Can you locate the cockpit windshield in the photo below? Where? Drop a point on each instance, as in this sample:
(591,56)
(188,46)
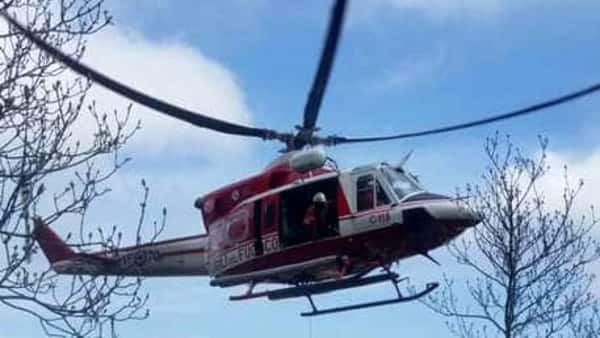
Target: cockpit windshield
(402,182)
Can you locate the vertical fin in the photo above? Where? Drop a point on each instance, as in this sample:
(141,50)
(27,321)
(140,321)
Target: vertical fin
(52,245)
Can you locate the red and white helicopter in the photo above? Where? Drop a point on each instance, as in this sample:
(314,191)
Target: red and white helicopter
(375,215)
(301,222)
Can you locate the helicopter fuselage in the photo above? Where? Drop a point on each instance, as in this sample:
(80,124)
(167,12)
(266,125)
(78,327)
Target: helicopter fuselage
(256,232)
(370,222)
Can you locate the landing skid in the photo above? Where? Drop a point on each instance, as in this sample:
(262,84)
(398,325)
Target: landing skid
(309,290)
(398,299)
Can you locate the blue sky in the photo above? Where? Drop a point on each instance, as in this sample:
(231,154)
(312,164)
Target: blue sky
(401,66)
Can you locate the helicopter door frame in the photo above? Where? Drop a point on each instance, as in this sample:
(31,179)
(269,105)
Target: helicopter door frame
(294,202)
(257,221)
(378,215)
(270,223)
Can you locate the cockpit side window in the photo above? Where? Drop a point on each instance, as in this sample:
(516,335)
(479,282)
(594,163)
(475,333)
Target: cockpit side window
(370,193)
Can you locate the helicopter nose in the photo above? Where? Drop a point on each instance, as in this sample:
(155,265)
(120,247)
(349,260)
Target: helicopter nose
(468,219)
(440,217)
(454,216)
(448,210)
(461,218)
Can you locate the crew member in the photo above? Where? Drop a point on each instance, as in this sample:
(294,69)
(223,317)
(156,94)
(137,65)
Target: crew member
(315,218)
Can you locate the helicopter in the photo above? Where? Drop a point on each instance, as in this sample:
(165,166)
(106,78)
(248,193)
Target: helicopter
(363,219)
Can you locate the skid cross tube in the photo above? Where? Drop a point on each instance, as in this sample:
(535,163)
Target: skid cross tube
(399,299)
(324,287)
(301,290)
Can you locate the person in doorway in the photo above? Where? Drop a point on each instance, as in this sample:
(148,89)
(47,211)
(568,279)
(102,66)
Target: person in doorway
(315,218)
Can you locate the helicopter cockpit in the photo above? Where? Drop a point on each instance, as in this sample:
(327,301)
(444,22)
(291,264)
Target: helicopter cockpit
(402,182)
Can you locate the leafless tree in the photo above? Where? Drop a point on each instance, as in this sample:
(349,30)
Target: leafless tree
(527,265)
(50,168)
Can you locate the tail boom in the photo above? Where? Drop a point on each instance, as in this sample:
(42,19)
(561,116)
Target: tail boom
(177,257)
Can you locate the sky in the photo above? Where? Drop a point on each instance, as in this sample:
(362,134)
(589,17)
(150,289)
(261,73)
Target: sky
(402,65)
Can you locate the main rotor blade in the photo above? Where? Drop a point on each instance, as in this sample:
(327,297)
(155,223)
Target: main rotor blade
(196,119)
(313,103)
(496,118)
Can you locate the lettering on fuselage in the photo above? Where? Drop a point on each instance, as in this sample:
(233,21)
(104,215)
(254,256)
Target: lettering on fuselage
(242,253)
(138,258)
(271,244)
(383,218)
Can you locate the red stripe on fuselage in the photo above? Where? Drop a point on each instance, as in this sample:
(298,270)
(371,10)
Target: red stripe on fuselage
(394,241)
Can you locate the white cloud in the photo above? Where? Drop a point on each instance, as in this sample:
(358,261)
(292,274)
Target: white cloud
(182,75)
(584,168)
(412,71)
(176,73)
(578,168)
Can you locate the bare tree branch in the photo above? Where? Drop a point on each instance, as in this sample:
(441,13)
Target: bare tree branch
(531,260)
(43,109)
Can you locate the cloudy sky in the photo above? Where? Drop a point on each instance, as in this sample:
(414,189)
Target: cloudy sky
(403,65)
